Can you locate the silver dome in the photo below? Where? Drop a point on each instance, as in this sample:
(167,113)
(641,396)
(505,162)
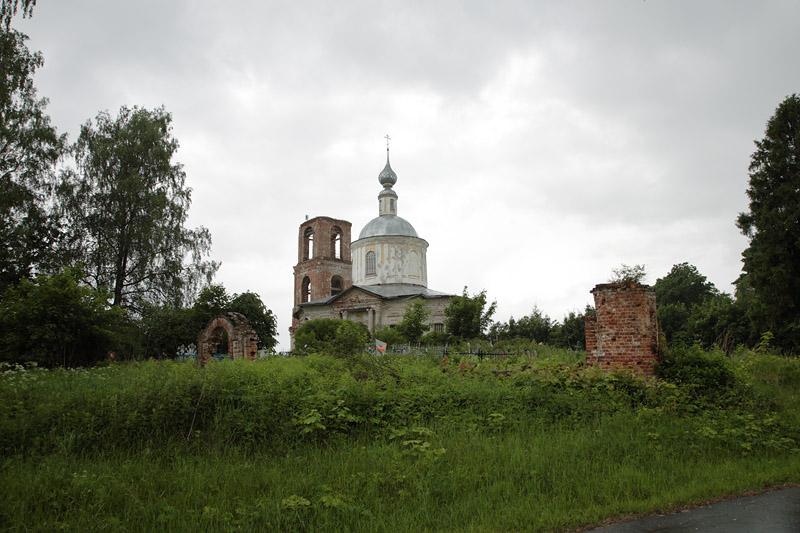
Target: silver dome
(388,225)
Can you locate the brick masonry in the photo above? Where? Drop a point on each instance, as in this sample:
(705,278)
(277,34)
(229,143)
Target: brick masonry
(624,331)
(242,339)
(321,262)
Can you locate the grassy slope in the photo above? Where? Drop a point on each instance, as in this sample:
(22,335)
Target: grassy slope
(454,450)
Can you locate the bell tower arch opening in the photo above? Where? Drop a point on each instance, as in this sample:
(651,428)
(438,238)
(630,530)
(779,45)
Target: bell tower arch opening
(336,242)
(308,244)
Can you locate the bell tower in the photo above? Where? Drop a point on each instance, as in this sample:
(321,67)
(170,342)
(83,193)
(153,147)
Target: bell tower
(324,266)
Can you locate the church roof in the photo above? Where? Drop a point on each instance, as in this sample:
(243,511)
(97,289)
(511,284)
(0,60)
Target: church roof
(388,292)
(388,225)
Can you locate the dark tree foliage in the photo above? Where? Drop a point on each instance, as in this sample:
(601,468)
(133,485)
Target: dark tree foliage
(164,329)
(128,203)
(315,335)
(167,328)
(29,149)
(211,301)
(539,327)
(691,310)
(390,336)
(56,321)
(685,285)
(467,317)
(261,319)
(536,326)
(571,332)
(772,261)
(9,8)
(214,300)
(331,336)
(721,321)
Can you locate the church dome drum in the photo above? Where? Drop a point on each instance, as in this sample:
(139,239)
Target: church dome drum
(388,250)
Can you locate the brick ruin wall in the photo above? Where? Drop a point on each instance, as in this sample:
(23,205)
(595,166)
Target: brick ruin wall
(242,339)
(624,331)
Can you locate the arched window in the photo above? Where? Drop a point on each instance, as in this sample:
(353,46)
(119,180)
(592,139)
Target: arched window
(336,242)
(305,290)
(336,285)
(308,244)
(370,263)
(391,205)
(413,264)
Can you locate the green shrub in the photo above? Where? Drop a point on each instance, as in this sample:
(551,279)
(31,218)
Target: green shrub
(351,338)
(390,336)
(708,373)
(436,338)
(56,321)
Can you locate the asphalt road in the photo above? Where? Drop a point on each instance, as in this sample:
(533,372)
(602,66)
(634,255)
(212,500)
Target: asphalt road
(774,512)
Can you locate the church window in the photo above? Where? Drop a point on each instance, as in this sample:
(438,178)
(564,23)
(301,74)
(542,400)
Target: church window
(305,290)
(308,244)
(391,205)
(336,242)
(413,264)
(439,327)
(370,259)
(336,285)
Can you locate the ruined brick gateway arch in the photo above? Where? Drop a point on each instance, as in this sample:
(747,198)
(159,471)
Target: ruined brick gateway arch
(242,338)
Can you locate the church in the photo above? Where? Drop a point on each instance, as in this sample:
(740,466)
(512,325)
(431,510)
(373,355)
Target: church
(369,280)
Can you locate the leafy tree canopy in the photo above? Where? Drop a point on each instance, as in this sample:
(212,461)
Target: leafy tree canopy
(390,336)
(261,319)
(29,149)
(467,316)
(127,203)
(683,284)
(9,8)
(56,321)
(166,328)
(332,336)
(414,323)
(772,260)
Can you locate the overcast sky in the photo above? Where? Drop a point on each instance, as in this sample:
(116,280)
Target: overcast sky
(538,145)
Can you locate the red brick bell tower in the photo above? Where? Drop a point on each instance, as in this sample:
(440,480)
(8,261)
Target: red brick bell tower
(324,267)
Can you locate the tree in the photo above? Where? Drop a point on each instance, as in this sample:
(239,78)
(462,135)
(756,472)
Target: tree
(56,321)
(467,316)
(683,284)
(211,301)
(571,333)
(8,8)
(771,263)
(677,294)
(351,338)
(331,336)
(128,204)
(261,319)
(29,149)
(628,274)
(414,323)
(390,336)
(316,335)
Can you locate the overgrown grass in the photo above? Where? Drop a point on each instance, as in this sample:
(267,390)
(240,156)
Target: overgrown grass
(324,444)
